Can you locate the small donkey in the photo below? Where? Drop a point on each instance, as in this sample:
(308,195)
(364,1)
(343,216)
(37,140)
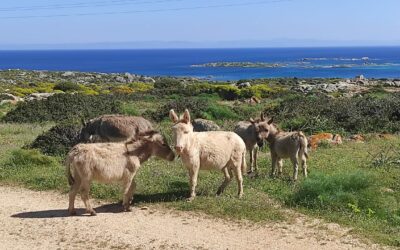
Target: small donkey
(283,145)
(218,150)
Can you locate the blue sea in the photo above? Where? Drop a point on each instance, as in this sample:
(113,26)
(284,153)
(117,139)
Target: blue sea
(372,62)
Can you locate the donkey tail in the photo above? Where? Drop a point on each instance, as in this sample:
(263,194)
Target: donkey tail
(244,164)
(68,165)
(303,144)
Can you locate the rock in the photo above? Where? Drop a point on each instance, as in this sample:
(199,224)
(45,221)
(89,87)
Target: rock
(38,96)
(68,74)
(357,138)
(7,96)
(200,125)
(252,100)
(243,85)
(120,79)
(147,79)
(129,77)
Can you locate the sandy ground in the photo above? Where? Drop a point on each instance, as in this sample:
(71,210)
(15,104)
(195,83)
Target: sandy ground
(38,220)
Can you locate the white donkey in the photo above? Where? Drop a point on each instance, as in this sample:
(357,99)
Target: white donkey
(218,150)
(283,145)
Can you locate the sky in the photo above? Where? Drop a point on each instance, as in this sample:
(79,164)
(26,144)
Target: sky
(197,23)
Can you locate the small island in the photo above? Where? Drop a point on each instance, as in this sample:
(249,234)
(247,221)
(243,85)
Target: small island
(239,65)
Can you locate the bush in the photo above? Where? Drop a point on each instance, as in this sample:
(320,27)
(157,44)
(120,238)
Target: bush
(58,140)
(353,115)
(62,107)
(67,87)
(196,107)
(122,89)
(167,83)
(140,86)
(228,92)
(220,112)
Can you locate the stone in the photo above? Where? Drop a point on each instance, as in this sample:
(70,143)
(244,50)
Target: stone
(68,74)
(201,125)
(38,96)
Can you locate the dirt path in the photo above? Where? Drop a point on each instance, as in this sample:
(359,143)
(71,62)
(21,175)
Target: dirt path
(37,220)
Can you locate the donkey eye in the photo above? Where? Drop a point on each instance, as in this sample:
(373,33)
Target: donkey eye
(186,132)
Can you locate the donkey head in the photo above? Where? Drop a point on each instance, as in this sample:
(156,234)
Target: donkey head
(262,128)
(182,130)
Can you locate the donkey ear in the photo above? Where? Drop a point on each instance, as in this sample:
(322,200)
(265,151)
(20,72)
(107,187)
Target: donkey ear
(271,121)
(252,120)
(262,116)
(173,116)
(186,116)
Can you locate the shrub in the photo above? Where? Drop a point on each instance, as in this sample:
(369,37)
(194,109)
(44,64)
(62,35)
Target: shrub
(354,115)
(140,86)
(196,107)
(18,91)
(67,86)
(167,83)
(58,140)
(122,89)
(62,107)
(228,92)
(220,112)
(259,90)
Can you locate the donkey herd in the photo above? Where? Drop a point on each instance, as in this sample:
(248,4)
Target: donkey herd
(116,146)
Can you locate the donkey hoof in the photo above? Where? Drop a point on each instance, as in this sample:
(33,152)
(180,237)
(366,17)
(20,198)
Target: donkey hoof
(72,212)
(190,199)
(240,196)
(92,213)
(128,209)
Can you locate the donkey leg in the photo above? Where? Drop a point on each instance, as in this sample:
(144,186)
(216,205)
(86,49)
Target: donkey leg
(295,167)
(85,188)
(280,166)
(251,160)
(193,174)
(72,195)
(273,164)
(226,181)
(304,165)
(255,159)
(129,190)
(239,178)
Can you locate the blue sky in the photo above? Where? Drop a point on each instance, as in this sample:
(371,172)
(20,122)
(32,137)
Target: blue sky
(243,23)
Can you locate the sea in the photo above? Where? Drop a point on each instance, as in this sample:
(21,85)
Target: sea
(216,64)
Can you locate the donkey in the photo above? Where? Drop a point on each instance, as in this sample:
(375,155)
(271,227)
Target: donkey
(113,128)
(219,150)
(247,131)
(283,145)
(111,162)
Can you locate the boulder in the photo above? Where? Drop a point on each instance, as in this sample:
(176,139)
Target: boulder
(243,85)
(129,77)
(200,125)
(147,79)
(120,79)
(7,96)
(38,96)
(68,74)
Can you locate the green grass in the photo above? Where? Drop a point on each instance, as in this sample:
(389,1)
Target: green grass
(343,186)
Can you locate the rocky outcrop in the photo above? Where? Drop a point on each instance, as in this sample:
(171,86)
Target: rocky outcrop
(9,98)
(38,96)
(201,125)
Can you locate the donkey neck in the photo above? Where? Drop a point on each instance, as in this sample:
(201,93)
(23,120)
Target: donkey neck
(141,150)
(272,135)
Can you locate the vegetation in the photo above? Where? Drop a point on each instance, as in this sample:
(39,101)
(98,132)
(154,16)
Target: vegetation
(62,107)
(354,184)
